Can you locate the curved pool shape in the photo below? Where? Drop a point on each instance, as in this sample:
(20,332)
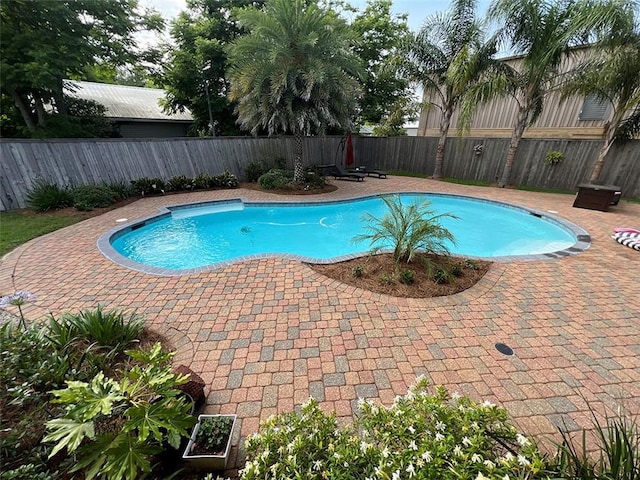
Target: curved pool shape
(199,236)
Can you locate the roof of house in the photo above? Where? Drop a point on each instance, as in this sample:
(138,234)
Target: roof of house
(125,102)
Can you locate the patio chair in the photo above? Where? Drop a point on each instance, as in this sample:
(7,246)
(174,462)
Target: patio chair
(369,173)
(337,172)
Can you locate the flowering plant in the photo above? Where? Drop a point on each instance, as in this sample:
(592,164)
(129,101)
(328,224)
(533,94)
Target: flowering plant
(18,299)
(421,435)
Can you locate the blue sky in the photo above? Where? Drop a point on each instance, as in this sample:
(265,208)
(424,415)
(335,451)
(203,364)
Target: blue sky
(418,10)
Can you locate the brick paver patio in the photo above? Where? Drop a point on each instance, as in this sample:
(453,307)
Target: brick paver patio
(267,334)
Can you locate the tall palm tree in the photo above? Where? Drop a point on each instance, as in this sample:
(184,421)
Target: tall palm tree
(614,76)
(544,32)
(445,58)
(293,72)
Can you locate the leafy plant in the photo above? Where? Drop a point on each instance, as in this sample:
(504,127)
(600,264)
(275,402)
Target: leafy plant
(225,179)
(422,435)
(407,277)
(470,264)
(148,186)
(553,157)
(358,271)
(407,229)
(88,197)
(115,427)
(203,181)
(214,432)
(457,269)
(180,183)
(44,196)
(255,169)
(616,456)
(275,179)
(441,276)
(386,279)
(121,189)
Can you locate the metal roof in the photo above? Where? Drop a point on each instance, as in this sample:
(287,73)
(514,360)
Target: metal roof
(125,102)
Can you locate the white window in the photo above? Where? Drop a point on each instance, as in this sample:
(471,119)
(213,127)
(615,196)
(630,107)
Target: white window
(593,108)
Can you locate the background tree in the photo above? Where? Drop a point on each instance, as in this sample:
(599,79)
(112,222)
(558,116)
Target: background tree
(293,72)
(544,33)
(613,75)
(378,36)
(46,41)
(198,61)
(445,58)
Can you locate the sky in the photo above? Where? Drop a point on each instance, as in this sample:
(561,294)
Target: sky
(418,10)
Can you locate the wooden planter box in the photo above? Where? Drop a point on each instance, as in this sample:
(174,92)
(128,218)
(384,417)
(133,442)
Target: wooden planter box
(208,462)
(597,197)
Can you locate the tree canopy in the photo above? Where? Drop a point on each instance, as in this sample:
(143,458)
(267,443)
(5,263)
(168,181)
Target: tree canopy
(46,41)
(293,72)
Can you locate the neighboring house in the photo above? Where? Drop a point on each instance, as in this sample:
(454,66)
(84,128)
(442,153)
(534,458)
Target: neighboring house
(411,128)
(576,117)
(135,111)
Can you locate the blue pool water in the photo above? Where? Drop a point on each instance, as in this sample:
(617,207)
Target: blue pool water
(205,234)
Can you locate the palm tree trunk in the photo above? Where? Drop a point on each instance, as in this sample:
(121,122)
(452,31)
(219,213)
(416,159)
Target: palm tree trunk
(298,169)
(607,143)
(42,119)
(442,141)
(24,110)
(516,136)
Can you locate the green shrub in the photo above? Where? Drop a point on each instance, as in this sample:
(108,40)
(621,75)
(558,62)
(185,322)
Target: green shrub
(203,181)
(30,471)
(113,428)
(457,269)
(358,271)
(441,276)
(470,264)
(408,228)
(255,169)
(407,277)
(422,435)
(386,279)
(213,431)
(314,180)
(180,183)
(225,179)
(553,157)
(148,186)
(121,189)
(275,179)
(88,197)
(44,196)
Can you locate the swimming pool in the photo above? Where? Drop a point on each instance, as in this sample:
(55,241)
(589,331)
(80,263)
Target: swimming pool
(200,236)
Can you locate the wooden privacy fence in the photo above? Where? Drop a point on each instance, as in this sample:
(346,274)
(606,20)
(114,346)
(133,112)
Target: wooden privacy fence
(79,162)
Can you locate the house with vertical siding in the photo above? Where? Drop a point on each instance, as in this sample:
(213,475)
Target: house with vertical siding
(575,118)
(135,111)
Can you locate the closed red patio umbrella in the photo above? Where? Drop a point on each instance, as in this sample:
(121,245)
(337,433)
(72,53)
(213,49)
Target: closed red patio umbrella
(349,159)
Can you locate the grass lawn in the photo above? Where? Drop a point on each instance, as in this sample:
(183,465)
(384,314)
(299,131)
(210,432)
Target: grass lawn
(17,228)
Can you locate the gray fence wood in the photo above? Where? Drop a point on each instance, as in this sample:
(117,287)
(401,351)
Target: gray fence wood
(82,161)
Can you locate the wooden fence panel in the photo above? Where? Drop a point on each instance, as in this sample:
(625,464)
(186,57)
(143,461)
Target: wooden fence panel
(84,161)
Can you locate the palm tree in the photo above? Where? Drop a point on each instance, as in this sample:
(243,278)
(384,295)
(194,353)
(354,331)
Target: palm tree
(614,76)
(544,33)
(446,57)
(293,72)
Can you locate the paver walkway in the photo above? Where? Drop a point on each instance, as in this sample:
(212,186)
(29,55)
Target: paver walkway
(267,334)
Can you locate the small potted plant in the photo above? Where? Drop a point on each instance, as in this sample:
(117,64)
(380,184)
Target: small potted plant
(210,443)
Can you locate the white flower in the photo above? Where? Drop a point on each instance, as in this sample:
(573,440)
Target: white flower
(487,403)
(522,440)
(475,458)
(506,477)
(385,452)
(466,441)
(317,465)
(396,475)
(439,436)
(508,456)
(490,465)
(457,450)
(413,445)
(441,426)
(475,425)
(411,429)
(411,470)
(455,395)
(364,446)
(523,461)
(426,456)
(482,477)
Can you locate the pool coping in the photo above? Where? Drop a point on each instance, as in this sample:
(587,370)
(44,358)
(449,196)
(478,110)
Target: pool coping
(583,238)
